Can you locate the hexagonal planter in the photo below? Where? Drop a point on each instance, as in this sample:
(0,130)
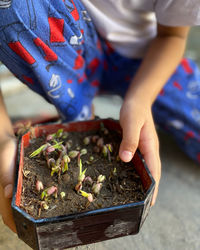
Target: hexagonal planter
(86,227)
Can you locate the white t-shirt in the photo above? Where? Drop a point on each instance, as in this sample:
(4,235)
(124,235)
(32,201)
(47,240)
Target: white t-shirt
(129,25)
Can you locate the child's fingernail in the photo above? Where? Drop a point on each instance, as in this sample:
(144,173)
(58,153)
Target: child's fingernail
(8,191)
(126,156)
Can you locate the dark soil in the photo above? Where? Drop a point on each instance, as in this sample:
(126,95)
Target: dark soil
(122,184)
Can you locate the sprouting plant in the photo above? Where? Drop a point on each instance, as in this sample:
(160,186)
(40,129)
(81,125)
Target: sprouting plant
(106,150)
(44,205)
(87,195)
(96,188)
(83,151)
(101,178)
(46,147)
(51,162)
(39,150)
(62,195)
(39,186)
(58,134)
(81,176)
(113,173)
(55,169)
(53,190)
(86,140)
(91,158)
(64,163)
(98,185)
(73,154)
(110,148)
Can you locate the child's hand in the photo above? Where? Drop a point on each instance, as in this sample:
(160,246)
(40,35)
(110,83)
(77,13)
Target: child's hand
(7,156)
(139,131)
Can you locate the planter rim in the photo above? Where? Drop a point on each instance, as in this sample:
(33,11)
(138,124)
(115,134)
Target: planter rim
(80,214)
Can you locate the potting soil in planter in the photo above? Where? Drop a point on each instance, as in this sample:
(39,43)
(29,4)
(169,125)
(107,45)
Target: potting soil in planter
(76,172)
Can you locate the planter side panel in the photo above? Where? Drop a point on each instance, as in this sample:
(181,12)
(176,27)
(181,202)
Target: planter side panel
(89,229)
(147,205)
(26,229)
(143,172)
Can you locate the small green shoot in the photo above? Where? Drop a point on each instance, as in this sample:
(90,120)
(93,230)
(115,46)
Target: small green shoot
(38,151)
(81,176)
(65,162)
(48,192)
(57,145)
(87,195)
(62,195)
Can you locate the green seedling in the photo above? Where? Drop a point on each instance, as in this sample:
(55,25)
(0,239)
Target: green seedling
(39,150)
(86,140)
(50,162)
(113,173)
(83,151)
(110,148)
(81,176)
(65,135)
(91,158)
(98,185)
(58,134)
(106,150)
(57,145)
(73,154)
(87,195)
(64,163)
(55,169)
(62,195)
(44,205)
(101,178)
(53,190)
(96,188)
(39,186)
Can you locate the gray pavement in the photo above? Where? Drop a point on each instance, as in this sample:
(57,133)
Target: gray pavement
(174,222)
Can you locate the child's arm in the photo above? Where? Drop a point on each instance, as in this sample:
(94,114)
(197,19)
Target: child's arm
(7,154)
(162,57)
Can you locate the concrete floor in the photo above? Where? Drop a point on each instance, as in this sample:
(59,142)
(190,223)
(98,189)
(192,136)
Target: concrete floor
(173,223)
